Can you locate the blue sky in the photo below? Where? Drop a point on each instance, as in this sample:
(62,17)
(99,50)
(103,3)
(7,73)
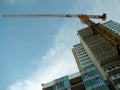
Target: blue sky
(37,50)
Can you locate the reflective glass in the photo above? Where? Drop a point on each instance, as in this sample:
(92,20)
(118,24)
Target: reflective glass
(66,84)
(88,85)
(104,87)
(94,83)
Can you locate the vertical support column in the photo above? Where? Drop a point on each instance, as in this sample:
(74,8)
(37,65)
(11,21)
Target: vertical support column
(118,50)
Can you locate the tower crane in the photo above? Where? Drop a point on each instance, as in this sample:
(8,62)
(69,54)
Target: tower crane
(85,19)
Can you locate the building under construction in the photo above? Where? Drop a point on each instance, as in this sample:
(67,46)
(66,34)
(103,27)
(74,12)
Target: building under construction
(97,58)
(104,55)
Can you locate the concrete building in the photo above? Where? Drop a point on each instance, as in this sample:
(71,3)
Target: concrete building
(71,82)
(104,56)
(90,75)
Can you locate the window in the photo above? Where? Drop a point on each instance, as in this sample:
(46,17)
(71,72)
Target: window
(101,81)
(89,69)
(119,74)
(61,83)
(65,78)
(66,84)
(90,75)
(96,73)
(94,83)
(56,86)
(109,68)
(104,87)
(88,85)
(85,77)
(114,76)
(98,81)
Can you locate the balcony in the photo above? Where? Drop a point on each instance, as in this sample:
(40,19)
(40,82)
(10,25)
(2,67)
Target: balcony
(113,71)
(77,83)
(115,79)
(107,59)
(48,88)
(78,86)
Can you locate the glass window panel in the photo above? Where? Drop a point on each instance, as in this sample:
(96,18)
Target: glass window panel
(66,84)
(65,78)
(54,87)
(93,68)
(84,77)
(90,74)
(100,81)
(98,88)
(62,85)
(88,85)
(104,87)
(115,76)
(96,73)
(94,83)
(58,85)
(88,69)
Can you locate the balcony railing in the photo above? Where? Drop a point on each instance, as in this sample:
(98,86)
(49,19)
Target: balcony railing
(115,80)
(113,71)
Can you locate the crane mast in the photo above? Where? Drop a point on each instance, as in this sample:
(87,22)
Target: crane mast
(85,19)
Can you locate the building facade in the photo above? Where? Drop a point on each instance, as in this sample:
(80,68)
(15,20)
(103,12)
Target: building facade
(104,56)
(71,82)
(90,75)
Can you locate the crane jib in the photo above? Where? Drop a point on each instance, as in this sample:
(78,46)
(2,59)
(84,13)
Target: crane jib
(53,15)
(40,15)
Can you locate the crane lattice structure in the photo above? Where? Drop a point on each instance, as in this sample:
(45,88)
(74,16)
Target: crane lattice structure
(97,29)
